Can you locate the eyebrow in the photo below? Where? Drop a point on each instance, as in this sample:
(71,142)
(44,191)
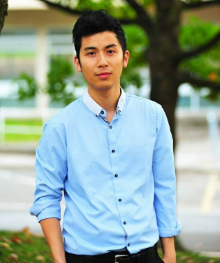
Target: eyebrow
(111,45)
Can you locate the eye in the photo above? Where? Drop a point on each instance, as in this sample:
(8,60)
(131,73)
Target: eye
(91,53)
(111,51)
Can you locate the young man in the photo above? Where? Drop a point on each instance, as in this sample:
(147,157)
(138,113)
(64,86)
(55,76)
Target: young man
(111,154)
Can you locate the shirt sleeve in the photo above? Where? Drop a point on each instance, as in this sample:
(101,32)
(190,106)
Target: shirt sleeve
(164,179)
(51,170)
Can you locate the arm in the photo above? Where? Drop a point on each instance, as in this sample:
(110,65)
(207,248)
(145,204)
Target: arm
(52,232)
(165,188)
(168,247)
(51,171)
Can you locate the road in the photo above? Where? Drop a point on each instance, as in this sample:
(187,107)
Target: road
(17,186)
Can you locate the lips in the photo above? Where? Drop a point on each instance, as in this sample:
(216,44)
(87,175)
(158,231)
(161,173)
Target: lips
(104,75)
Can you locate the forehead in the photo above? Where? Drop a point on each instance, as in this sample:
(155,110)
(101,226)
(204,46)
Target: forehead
(100,40)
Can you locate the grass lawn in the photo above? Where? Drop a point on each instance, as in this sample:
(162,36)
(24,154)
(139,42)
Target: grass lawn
(24,247)
(22,137)
(31,122)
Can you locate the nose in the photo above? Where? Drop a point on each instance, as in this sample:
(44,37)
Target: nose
(102,61)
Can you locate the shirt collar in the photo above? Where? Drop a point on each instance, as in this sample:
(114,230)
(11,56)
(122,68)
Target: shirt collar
(96,109)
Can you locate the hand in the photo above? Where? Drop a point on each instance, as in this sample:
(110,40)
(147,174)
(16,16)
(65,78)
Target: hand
(169,259)
(168,247)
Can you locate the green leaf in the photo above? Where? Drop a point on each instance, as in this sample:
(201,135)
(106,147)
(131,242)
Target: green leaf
(27,86)
(59,75)
(207,64)
(137,43)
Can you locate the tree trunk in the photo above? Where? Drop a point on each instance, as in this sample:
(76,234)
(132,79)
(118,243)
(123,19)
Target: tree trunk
(161,55)
(3,12)
(164,89)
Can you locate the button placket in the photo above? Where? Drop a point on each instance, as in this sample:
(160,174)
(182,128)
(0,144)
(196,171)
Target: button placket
(113,150)
(116,176)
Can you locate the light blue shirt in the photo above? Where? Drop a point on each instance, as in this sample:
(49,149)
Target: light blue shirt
(118,178)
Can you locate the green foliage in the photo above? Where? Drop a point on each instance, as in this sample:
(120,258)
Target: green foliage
(137,43)
(61,81)
(58,77)
(27,86)
(206,65)
(118,8)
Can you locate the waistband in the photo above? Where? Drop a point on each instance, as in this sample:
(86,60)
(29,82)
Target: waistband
(122,256)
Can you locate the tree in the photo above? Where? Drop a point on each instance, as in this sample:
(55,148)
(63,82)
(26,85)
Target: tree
(161,22)
(59,75)
(3,12)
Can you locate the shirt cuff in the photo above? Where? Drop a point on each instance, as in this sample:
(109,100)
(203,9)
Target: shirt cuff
(170,232)
(52,211)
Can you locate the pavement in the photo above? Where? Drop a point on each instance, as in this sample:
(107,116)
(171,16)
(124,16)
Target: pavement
(198,187)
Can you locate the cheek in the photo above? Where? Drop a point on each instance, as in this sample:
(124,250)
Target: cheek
(120,68)
(88,66)
(88,73)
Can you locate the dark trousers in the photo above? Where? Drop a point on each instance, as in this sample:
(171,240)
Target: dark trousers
(72,258)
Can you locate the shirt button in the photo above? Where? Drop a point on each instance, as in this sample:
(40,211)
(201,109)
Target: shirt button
(102,112)
(124,222)
(119,200)
(113,151)
(128,244)
(110,127)
(119,111)
(116,175)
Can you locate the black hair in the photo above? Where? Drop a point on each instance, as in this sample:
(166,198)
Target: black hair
(93,22)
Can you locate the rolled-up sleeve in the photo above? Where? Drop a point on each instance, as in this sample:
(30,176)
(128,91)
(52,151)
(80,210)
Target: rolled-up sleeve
(164,179)
(51,171)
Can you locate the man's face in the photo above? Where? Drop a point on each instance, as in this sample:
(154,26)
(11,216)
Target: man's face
(101,61)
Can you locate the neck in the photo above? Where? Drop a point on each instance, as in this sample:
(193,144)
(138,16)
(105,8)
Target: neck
(107,99)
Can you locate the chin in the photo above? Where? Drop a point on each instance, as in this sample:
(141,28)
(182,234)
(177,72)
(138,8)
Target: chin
(103,87)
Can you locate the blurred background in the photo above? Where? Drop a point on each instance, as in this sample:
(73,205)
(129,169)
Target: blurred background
(175,60)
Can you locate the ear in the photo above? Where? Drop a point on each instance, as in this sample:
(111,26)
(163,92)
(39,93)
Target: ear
(126,58)
(77,63)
